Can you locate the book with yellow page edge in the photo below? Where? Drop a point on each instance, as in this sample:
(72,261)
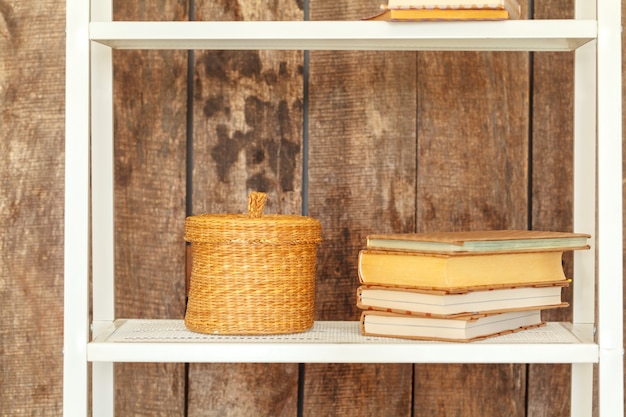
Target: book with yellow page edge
(459,302)
(458,269)
(511,5)
(428,10)
(463,329)
(423,15)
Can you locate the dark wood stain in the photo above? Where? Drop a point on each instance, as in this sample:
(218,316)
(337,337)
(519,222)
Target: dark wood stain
(279,151)
(226,151)
(218,64)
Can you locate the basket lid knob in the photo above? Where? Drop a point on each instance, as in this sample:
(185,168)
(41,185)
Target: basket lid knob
(256,203)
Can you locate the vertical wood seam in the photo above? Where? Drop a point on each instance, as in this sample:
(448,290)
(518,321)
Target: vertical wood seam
(189,180)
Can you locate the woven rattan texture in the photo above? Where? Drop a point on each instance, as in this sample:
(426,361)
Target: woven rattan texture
(251,288)
(271,229)
(251,274)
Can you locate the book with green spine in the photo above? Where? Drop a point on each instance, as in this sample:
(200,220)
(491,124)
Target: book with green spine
(479,241)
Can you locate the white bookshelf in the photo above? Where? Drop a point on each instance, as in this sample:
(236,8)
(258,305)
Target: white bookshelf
(595,36)
(520,35)
(334,342)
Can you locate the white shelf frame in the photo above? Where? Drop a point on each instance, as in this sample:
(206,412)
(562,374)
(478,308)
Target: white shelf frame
(595,36)
(334,342)
(521,35)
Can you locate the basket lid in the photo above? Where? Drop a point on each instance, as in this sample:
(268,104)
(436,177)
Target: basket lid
(253,227)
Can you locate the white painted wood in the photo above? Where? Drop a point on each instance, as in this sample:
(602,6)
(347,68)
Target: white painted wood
(102,177)
(76,250)
(333,342)
(582,390)
(102,208)
(609,241)
(524,35)
(585,127)
(103,394)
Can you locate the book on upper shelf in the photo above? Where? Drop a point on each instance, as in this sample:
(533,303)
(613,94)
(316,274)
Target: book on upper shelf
(462,329)
(422,15)
(458,269)
(480,241)
(461,301)
(511,5)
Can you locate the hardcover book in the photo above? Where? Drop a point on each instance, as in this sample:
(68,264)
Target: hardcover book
(417,10)
(480,241)
(420,15)
(511,5)
(462,301)
(460,330)
(458,269)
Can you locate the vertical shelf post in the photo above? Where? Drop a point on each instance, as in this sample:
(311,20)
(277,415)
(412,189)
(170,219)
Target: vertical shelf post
(609,239)
(585,127)
(76,228)
(102,207)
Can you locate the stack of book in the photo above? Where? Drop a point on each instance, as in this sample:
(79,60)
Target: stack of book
(461,286)
(428,10)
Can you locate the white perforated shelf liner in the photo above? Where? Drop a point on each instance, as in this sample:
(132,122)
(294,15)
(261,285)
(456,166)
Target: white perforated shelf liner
(172,331)
(331,342)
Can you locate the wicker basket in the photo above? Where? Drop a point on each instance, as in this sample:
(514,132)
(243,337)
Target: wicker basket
(251,274)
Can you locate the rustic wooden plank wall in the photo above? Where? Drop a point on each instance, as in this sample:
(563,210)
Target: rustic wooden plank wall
(32,63)
(551,190)
(150,111)
(396,141)
(362,179)
(473,165)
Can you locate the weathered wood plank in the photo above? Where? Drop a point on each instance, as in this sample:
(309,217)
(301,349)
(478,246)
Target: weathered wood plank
(552,191)
(357,389)
(362,179)
(32,85)
(233,390)
(247,136)
(150,113)
(470,390)
(472,174)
